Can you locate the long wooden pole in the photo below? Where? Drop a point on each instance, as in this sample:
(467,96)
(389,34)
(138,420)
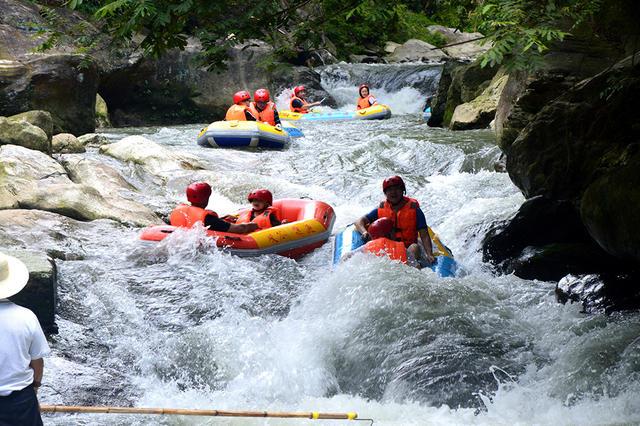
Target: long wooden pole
(188,412)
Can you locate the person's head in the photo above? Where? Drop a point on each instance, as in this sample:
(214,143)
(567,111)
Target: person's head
(380,228)
(363,90)
(429,100)
(299,91)
(260,199)
(198,194)
(394,189)
(14,275)
(241,98)
(261,97)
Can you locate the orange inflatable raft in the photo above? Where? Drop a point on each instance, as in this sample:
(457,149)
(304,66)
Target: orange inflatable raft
(309,225)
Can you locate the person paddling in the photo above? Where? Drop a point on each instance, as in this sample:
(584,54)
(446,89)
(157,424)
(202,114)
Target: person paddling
(263,109)
(366,99)
(298,101)
(262,213)
(22,349)
(240,109)
(186,215)
(409,222)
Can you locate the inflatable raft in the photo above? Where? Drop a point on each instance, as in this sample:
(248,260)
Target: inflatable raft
(349,239)
(234,134)
(309,225)
(376,112)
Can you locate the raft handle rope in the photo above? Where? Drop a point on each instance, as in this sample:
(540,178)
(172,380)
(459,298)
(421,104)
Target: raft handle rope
(314,415)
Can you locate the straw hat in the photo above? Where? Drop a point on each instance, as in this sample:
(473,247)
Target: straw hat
(13,276)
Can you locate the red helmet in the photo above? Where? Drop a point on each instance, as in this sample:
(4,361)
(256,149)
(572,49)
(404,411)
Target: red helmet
(261,195)
(241,96)
(393,181)
(198,194)
(298,89)
(380,228)
(261,95)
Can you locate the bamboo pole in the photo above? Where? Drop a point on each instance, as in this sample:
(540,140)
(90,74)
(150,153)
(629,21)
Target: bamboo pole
(192,412)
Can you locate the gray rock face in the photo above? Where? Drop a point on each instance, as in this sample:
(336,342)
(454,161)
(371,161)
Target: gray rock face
(22,133)
(583,147)
(40,293)
(417,51)
(36,181)
(153,157)
(66,143)
(88,171)
(65,85)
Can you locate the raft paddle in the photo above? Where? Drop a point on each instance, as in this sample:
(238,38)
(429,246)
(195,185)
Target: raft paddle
(314,415)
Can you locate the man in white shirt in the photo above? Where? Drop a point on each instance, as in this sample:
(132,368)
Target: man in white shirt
(22,347)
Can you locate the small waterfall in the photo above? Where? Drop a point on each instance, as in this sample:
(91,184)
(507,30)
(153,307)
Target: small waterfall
(404,87)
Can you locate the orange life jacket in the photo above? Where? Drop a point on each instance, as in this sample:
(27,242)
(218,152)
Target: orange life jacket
(187,215)
(395,250)
(236,112)
(366,102)
(404,220)
(267,115)
(262,219)
(300,110)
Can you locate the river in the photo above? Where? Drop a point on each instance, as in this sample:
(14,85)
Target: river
(180,325)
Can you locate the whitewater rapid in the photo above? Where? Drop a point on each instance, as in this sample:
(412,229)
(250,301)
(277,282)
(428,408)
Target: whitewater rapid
(181,325)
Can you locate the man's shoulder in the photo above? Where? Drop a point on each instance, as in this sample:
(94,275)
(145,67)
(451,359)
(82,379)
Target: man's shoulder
(18,312)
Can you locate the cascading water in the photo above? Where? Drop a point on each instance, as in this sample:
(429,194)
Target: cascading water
(178,324)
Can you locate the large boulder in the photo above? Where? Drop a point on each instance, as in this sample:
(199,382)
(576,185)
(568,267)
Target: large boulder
(66,143)
(63,84)
(465,46)
(38,118)
(417,51)
(478,113)
(582,147)
(22,168)
(439,100)
(155,158)
(89,171)
(22,133)
(40,293)
(93,139)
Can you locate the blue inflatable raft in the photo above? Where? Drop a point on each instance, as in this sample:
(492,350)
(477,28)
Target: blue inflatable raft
(349,239)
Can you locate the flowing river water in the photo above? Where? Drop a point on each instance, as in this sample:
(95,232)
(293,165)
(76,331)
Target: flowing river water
(179,325)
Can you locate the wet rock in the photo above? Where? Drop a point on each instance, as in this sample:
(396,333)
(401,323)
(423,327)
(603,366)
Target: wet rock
(63,84)
(416,51)
(470,47)
(480,112)
(88,171)
(608,292)
(40,293)
(93,139)
(539,222)
(153,157)
(83,202)
(23,168)
(23,134)
(7,199)
(390,47)
(102,113)
(40,119)
(439,101)
(66,143)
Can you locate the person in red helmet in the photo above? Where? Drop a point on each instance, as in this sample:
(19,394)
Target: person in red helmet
(298,101)
(409,222)
(186,215)
(263,109)
(240,109)
(366,99)
(261,213)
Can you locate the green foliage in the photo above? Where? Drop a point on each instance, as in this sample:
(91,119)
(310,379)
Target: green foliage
(521,31)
